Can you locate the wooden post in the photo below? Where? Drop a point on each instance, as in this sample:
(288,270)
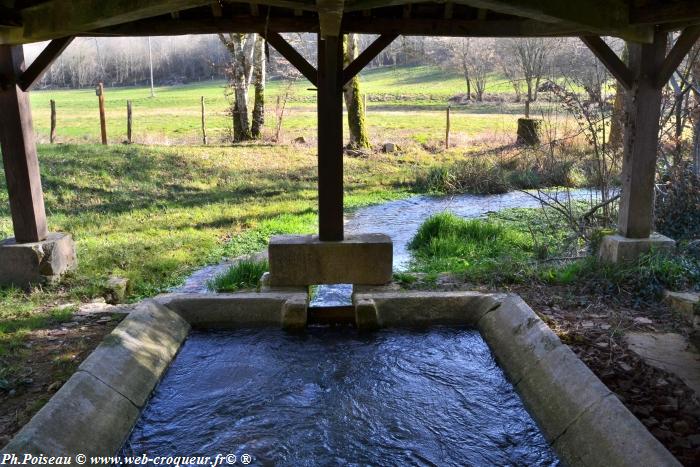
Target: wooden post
(52,135)
(330,138)
(447,129)
(128,122)
(19,151)
(204,122)
(103,123)
(641,139)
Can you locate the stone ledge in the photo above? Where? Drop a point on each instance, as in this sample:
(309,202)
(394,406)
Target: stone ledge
(428,308)
(577,413)
(26,264)
(84,417)
(134,356)
(619,250)
(230,311)
(302,260)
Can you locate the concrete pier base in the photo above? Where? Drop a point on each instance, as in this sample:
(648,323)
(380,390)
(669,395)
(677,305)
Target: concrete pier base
(297,260)
(619,250)
(25,264)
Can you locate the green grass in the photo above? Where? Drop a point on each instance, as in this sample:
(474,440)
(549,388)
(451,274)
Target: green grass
(245,274)
(515,246)
(173,115)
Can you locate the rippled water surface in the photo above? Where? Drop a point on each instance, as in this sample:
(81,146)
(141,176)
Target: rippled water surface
(335,397)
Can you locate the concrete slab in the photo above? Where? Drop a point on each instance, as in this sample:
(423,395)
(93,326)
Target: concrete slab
(295,313)
(619,250)
(429,308)
(669,352)
(366,315)
(85,416)
(134,356)
(26,264)
(230,311)
(607,434)
(517,336)
(686,304)
(304,260)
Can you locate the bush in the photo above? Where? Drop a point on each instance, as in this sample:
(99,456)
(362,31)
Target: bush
(479,249)
(243,275)
(677,205)
(477,175)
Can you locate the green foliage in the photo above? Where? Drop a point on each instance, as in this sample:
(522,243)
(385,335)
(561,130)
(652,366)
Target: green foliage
(243,275)
(479,249)
(477,175)
(405,278)
(677,209)
(645,278)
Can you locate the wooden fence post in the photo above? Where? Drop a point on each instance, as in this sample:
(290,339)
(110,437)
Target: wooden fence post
(52,135)
(447,129)
(128,122)
(103,123)
(204,123)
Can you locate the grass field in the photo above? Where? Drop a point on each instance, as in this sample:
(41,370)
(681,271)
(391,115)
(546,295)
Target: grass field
(395,95)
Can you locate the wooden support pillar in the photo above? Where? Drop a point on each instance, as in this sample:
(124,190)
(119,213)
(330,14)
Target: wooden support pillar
(330,138)
(19,151)
(641,138)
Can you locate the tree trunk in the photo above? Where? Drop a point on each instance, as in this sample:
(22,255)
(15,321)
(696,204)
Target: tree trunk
(259,84)
(353,99)
(241,123)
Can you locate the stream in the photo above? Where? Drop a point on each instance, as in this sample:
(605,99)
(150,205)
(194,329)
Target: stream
(400,220)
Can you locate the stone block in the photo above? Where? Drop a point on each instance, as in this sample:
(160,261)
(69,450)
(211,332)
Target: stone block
(230,311)
(116,290)
(264,286)
(558,389)
(518,338)
(608,434)
(133,357)
(304,260)
(294,313)
(85,416)
(366,316)
(620,250)
(686,304)
(25,264)
(429,308)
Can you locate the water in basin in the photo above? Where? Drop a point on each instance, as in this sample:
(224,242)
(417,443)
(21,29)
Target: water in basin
(336,397)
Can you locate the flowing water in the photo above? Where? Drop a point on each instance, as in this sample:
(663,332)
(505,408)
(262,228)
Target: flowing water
(400,220)
(335,397)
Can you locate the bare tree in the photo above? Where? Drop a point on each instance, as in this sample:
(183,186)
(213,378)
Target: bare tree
(530,56)
(259,85)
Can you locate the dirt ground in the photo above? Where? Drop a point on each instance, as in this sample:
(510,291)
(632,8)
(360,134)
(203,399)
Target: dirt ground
(50,357)
(592,324)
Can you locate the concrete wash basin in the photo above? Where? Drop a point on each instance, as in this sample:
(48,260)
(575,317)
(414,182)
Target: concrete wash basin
(94,412)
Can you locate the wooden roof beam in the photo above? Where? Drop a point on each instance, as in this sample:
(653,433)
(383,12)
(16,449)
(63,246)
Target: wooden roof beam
(330,16)
(295,58)
(41,63)
(675,56)
(609,58)
(367,56)
(665,11)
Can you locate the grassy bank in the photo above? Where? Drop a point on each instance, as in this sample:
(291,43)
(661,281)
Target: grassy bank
(518,246)
(394,97)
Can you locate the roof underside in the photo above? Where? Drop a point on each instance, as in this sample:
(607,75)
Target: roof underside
(24,21)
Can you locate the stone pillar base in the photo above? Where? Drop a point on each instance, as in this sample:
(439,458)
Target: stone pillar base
(25,264)
(305,260)
(619,250)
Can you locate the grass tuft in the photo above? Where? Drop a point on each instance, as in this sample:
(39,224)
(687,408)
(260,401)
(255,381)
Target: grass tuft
(243,275)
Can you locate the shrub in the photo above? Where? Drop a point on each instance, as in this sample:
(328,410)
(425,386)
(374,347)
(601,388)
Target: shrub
(677,205)
(243,275)
(478,175)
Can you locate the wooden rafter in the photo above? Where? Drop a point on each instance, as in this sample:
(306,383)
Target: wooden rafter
(665,11)
(367,56)
(42,63)
(287,51)
(330,16)
(610,59)
(680,49)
